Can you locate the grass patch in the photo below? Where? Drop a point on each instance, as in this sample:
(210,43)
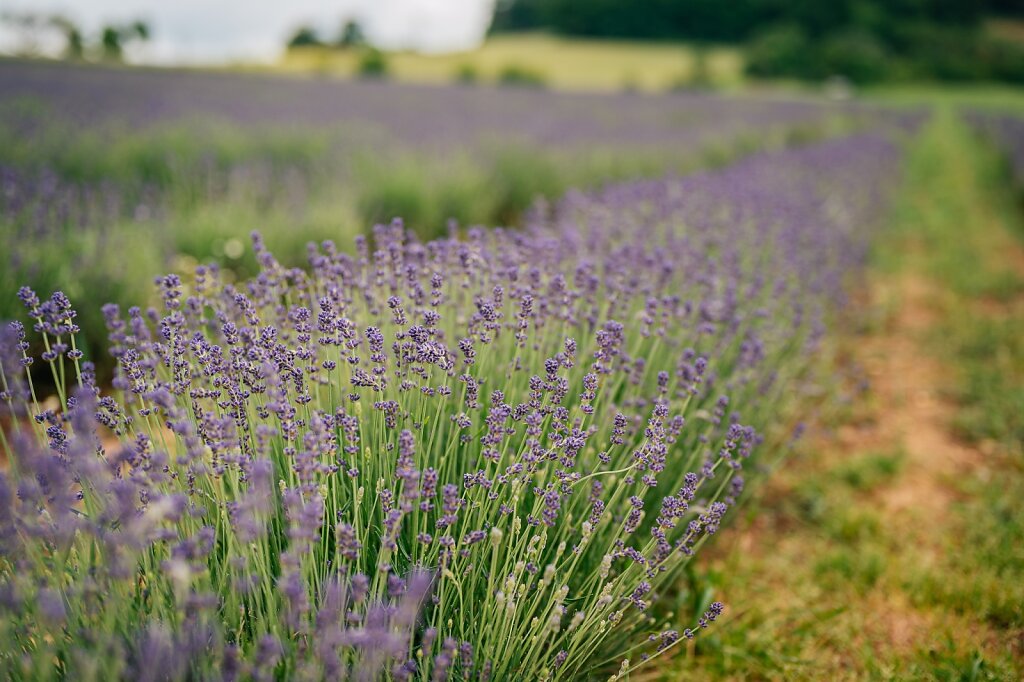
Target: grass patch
(850,566)
(871,470)
(979,336)
(991,388)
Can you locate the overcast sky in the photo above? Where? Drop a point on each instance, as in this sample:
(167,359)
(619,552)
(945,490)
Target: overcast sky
(219,30)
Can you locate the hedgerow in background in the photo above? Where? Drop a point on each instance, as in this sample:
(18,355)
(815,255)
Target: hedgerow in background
(479,458)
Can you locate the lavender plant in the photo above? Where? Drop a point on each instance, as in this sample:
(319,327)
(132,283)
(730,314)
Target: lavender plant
(486,457)
(1007,133)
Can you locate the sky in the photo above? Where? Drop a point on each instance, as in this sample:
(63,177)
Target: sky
(197,31)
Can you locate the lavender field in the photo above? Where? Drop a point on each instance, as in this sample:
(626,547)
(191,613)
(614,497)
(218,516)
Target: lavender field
(312,379)
(169,164)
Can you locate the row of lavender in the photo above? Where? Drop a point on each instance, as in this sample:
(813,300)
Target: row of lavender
(480,458)
(434,117)
(381,116)
(1007,133)
(166,164)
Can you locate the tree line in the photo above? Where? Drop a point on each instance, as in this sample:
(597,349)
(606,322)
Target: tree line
(33,32)
(866,40)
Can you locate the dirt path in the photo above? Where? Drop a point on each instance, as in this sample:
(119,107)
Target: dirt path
(912,412)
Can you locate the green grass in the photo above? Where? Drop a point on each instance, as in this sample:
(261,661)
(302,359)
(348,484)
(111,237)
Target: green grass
(981,95)
(973,246)
(868,471)
(980,337)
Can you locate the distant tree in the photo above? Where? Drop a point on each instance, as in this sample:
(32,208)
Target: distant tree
(1009,8)
(864,40)
(38,34)
(642,19)
(517,15)
(75,48)
(780,51)
(74,43)
(139,29)
(731,20)
(373,64)
(113,39)
(304,36)
(855,55)
(110,42)
(351,34)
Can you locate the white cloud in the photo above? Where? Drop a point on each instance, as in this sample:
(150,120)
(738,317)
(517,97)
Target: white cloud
(221,30)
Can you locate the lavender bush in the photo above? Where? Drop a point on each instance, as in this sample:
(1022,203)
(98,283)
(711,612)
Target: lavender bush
(1007,133)
(479,458)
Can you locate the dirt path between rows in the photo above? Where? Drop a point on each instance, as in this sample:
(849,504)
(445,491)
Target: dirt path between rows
(911,412)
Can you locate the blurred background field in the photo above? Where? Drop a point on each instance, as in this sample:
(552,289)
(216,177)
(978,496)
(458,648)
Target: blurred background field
(553,61)
(177,167)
